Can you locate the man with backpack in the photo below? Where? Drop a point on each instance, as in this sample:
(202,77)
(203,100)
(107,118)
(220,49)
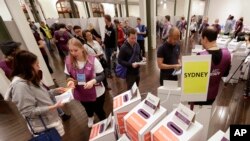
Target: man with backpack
(141,34)
(128,57)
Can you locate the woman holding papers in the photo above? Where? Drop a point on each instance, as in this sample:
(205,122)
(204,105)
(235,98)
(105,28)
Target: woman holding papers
(85,74)
(32,99)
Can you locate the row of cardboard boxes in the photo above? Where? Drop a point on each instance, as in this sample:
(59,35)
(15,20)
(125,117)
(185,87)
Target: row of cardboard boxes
(146,120)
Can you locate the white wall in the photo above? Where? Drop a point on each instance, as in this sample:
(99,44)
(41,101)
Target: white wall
(166,9)
(49,8)
(4,12)
(197,7)
(180,7)
(222,8)
(134,10)
(109,9)
(81,9)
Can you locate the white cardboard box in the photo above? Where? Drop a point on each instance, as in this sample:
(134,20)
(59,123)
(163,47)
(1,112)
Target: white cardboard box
(124,137)
(167,130)
(170,96)
(233,45)
(237,58)
(139,121)
(222,42)
(98,132)
(218,136)
(122,104)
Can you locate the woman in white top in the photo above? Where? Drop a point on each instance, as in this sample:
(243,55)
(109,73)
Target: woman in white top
(85,73)
(93,48)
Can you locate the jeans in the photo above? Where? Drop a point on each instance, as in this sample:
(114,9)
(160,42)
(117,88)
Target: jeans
(48,43)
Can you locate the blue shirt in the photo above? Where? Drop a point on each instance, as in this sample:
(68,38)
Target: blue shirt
(142,29)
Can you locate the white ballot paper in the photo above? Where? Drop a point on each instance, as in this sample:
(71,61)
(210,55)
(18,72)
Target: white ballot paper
(177,72)
(65,97)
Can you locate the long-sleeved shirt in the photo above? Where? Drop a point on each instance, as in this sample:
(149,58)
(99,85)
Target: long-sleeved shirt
(32,101)
(125,54)
(110,37)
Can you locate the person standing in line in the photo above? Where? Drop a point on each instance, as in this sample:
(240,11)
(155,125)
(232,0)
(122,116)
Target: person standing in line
(217,26)
(168,56)
(141,31)
(193,27)
(79,33)
(220,63)
(47,34)
(9,50)
(120,35)
(96,36)
(238,27)
(61,37)
(128,56)
(126,27)
(166,27)
(41,46)
(229,26)
(85,73)
(93,48)
(204,24)
(32,99)
(109,42)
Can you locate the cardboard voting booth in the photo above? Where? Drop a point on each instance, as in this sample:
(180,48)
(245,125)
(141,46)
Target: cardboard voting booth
(124,137)
(140,120)
(237,58)
(122,104)
(203,116)
(222,42)
(178,126)
(233,45)
(197,49)
(219,136)
(169,94)
(195,77)
(103,130)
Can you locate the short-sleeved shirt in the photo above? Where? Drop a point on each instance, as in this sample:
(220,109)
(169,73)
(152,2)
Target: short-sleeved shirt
(97,68)
(170,54)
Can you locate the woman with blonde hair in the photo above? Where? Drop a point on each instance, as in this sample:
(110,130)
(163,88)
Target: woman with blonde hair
(85,74)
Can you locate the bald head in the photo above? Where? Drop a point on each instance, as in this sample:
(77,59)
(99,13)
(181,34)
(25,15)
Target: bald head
(174,31)
(174,35)
(210,33)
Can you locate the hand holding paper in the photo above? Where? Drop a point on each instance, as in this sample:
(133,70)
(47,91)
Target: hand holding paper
(65,97)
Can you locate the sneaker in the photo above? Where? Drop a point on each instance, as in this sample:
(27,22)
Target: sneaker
(90,121)
(65,117)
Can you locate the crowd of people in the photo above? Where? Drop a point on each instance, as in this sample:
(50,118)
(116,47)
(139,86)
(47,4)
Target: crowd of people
(89,61)
(86,57)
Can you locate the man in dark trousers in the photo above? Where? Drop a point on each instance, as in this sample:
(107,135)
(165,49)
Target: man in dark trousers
(168,56)
(128,56)
(109,42)
(141,31)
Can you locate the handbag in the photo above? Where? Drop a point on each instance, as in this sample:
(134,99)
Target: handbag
(120,70)
(49,134)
